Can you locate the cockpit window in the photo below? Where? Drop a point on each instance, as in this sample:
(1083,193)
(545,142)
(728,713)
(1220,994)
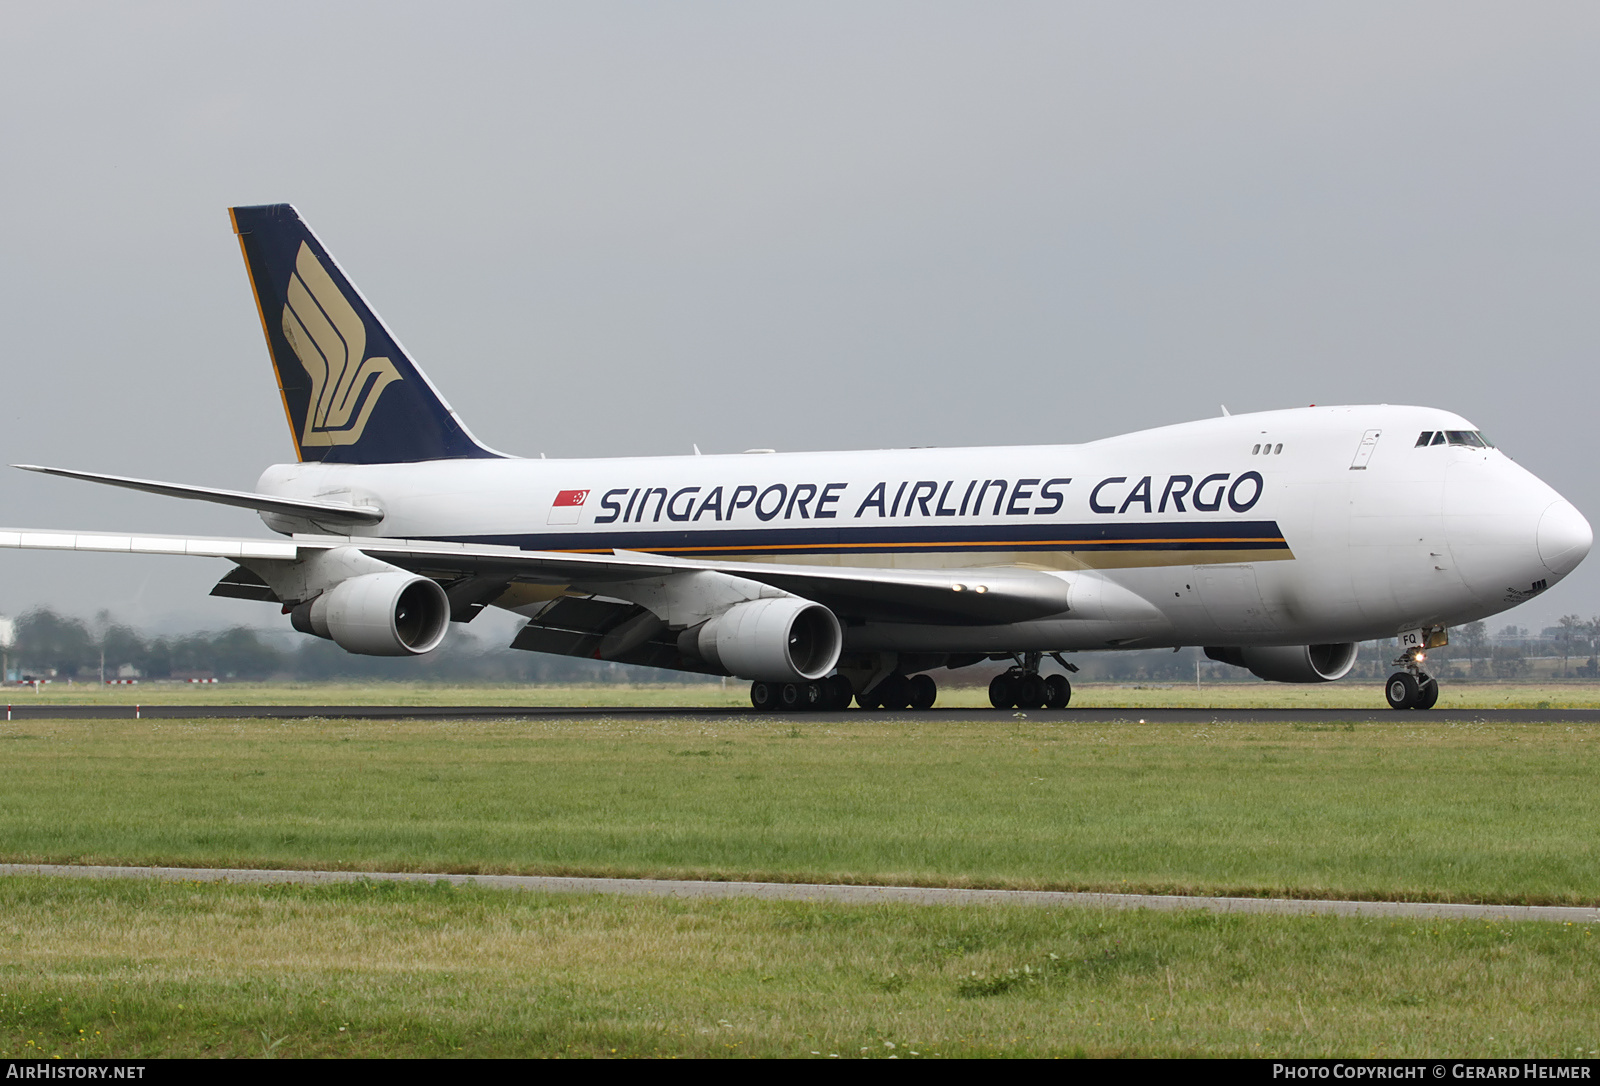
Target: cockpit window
(1472,439)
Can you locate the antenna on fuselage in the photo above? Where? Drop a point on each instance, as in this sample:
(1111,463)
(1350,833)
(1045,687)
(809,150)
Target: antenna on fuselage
(1225,412)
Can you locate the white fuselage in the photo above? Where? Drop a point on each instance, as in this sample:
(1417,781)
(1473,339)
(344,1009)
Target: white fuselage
(1345,530)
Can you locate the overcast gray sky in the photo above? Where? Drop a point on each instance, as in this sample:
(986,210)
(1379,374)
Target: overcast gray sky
(623,228)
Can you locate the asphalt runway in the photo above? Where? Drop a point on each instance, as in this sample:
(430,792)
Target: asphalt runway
(838,894)
(17,712)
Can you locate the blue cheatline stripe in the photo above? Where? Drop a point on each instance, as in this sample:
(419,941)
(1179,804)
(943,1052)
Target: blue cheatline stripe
(1263,535)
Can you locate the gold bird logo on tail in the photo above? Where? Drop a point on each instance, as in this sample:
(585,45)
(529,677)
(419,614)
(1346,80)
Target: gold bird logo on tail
(329,338)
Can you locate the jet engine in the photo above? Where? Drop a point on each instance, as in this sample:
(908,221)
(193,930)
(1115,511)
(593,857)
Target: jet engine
(1290,663)
(782,639)
(378,614)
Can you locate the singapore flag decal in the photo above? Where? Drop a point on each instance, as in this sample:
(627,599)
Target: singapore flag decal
(567,507)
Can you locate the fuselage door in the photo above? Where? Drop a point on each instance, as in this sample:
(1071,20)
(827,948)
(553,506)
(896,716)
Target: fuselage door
(1369,442)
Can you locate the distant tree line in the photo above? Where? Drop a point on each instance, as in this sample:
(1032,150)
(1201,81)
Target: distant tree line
(54,646)
(49,645)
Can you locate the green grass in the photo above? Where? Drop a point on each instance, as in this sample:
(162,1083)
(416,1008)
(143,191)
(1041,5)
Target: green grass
(1402,809)
(1348,694)
(136,969)
(1397,810)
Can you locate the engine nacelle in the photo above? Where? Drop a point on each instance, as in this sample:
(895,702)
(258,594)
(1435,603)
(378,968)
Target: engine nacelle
(782,639)
(379,614)
(1291,663)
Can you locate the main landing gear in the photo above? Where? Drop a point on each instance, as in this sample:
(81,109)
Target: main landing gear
(826,694)
(834,693)
(1022,687)
(1412,688)
(900,692)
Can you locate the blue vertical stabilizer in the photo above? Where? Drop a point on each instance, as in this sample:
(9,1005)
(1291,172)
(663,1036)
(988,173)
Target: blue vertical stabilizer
(352,394)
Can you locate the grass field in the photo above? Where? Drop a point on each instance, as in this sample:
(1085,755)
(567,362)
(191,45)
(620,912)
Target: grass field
(1423,811)
(134,969)
(1413,810)
(1350,694)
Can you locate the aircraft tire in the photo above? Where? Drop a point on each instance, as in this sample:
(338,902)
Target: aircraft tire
(1401,690)
(1002,691)
(1427,692)
(1030,692)
(894,692)
(764,696)
(922,691)
(800,697)
(1057,692)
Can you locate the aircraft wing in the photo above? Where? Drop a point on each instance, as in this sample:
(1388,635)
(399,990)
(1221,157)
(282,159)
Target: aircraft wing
(976,596)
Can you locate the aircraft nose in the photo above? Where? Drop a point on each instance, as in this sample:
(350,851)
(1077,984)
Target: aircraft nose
(1564,538)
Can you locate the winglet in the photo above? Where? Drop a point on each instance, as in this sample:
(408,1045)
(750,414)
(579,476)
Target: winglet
(352,394)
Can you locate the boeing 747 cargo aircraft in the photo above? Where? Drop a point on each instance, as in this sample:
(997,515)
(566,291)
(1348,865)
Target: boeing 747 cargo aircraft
(1276,541)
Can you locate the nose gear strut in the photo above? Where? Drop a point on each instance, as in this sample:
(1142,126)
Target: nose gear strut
(1412,688)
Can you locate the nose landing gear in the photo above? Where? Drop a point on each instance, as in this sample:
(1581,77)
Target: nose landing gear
(1412,688)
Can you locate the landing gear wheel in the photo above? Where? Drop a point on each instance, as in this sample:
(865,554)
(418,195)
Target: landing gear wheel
(1427,691)
(1402,690)
(922,691)
(764,696)
(893,692)
(897,692)
(1030,692)
(1003,691)
(800,697)
(1057,692)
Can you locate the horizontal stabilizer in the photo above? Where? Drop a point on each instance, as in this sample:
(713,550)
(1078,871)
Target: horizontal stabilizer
(327,512)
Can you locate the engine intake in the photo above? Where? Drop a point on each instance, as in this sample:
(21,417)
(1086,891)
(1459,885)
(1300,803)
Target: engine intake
(783,639)
(379,614)
(1290,663)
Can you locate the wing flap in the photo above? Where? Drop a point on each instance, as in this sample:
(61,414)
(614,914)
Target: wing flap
(115,543)
(241,584)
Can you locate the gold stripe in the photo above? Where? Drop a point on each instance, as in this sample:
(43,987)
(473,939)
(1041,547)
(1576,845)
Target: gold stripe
(1031,559)
(262,313)
(1246,542)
